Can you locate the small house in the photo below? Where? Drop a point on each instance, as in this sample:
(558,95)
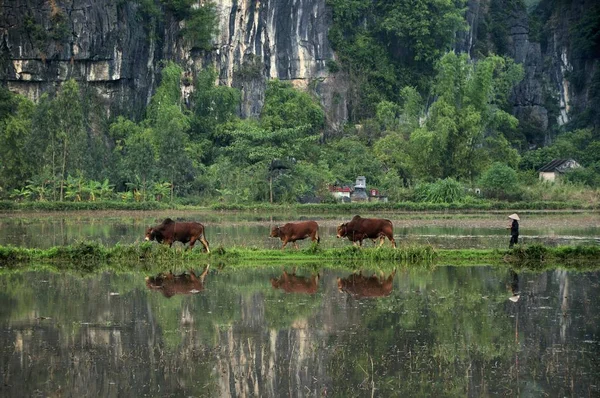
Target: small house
(551,170)
(360,190)
(341,193)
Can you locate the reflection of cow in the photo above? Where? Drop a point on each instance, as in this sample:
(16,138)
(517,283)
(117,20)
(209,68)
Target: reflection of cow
(169,284)
(359,286)
(291,232)
(360,228)
(170,231)
(296,284)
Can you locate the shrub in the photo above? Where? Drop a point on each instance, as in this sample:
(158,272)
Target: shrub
(500,181)
(447,190)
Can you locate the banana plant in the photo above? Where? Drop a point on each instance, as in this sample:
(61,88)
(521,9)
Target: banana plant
(106,190)
(92,189)
(20,194)
(74,188)
(161,190)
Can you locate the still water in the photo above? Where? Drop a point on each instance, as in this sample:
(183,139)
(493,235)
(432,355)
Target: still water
(449,331)
(249,229)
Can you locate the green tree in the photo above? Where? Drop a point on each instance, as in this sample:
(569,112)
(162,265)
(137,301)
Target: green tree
(466,116)
(170,124)
(286,107)
(71,136)
(15,132)
(134,152)
(500,181)
(213,106)
(383,45)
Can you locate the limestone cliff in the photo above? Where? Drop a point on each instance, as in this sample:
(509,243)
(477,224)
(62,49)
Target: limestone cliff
(113,48)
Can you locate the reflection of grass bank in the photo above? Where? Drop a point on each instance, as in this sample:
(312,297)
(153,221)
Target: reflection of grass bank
(89,257)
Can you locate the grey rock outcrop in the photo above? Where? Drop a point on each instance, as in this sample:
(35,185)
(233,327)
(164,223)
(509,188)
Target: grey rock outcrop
(111,47)
(101,43)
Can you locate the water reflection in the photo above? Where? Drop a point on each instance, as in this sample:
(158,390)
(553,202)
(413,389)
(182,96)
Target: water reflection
(291,283)
(449,331)
(359,286)
(170,284)
(514,286)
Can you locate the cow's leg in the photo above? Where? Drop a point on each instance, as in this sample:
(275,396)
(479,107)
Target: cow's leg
(393,242)
(285,242)
(296,245)
(191,246)
(204,243)
(203,275)
(381,241)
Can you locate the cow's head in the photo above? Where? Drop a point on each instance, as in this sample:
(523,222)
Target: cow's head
(275,232)
(342,230)
(150,233)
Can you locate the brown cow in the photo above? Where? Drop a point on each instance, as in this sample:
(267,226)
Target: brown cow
(360,228)
(169,284)
(296,284)
(359,286)
(291,232)
(170,231)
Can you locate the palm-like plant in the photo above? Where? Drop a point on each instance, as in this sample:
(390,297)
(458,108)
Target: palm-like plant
(20,194)
(161,190)
(126,196)
(41,186)
(74,187)
(106,190)
(92,189)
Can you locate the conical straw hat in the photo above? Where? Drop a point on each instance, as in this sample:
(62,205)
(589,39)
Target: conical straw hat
(514,216)
(514,298)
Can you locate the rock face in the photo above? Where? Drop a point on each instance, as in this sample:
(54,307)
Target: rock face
(274,39)
(101,43)
(545,96)
(114,47)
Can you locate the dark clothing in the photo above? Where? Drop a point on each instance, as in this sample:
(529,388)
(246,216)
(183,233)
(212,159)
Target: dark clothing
(514,233)
(514,228)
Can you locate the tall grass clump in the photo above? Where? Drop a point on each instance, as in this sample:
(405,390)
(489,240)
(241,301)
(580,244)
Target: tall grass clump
(447,190)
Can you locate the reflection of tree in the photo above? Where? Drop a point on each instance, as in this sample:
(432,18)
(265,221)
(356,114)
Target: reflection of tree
(449,332)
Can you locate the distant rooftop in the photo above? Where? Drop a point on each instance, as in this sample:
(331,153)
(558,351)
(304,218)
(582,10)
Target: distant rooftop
(558,165)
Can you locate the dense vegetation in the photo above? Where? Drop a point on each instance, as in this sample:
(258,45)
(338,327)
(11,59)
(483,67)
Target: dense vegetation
(426,125)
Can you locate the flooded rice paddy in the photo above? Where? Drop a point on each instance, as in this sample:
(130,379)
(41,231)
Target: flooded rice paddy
(252,230)
(451,331)
(267,332)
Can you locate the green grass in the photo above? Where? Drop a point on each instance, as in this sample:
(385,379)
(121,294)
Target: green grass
(472,205)
(6,205)
(91,257)
(480,205)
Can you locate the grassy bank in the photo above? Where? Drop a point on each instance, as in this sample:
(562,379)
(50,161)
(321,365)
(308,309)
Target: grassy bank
(478,205)
(483,205)
(90,257)
(9,206)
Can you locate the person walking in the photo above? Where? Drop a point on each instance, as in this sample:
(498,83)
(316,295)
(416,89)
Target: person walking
(514,230)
